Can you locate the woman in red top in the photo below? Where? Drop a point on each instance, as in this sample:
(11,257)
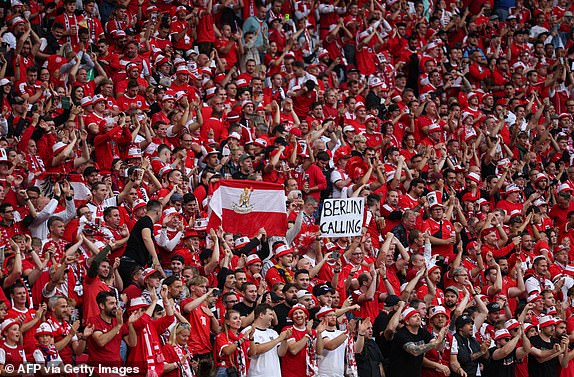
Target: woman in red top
(231,347)
(177,355)
(11,351)
(274,57)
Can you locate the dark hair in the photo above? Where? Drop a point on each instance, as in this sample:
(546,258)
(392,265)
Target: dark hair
(300,272)
(170,280)
(102,297)
(262,309)
(245,285)
(108,211)
(154,205)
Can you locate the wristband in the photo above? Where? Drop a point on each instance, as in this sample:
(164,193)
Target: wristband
(56,197)
(69,197)
(361,334)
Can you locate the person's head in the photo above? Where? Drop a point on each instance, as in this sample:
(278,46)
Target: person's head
(547,326)
(177,264)
(232,320)
(437,317)
(198,286)
(290,290)
(229,299)
(249,291)
(174,286)
(112,216)
(107,303)
(154,209)
(263,315)
(180,334)
(464,325)
(302,279)
(451,297)
(411,318)
(409,219)
(56,226)
(58,305)
(11,330)
(540,265)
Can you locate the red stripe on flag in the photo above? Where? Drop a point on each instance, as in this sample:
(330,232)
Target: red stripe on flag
(248,224)
(236,183)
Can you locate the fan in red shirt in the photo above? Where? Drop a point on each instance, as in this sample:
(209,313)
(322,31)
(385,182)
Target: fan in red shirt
(32,318)
(200,318)
(105,348)
(442,233)
(304,344)
(146,355)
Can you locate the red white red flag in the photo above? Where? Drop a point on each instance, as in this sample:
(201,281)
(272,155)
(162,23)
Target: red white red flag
(244,207)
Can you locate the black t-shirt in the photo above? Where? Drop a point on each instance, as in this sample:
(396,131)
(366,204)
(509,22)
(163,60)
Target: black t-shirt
(379,327)
(240,175)
(369,360)
(135,247)
(500,368)
(548,368)
(243,309)
(282,312)
(403,363)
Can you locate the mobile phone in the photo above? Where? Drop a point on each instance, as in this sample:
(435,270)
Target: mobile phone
(66,103)
(335,255)
(4,48)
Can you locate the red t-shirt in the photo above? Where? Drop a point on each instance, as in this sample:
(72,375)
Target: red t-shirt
(199,340)
(92,286)
(108,355)
(296,365)
(29,339)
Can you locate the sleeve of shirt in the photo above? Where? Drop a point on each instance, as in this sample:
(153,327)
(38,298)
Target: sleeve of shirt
(532,284)
(2,356)
(454,347)
(38,357)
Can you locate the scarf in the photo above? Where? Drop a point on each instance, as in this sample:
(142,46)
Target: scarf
(311,358)
(351,365)
(185,368)
(50,352)
(285,274)
(153,354)
(240,359)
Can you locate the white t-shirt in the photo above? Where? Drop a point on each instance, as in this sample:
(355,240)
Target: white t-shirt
(265,364)
(332,363)
(39,359)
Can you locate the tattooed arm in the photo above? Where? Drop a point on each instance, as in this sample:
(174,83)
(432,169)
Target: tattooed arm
(417,350)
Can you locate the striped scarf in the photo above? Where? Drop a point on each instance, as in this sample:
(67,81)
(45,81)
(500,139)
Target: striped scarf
(311,358)
(50,352)
(351,367)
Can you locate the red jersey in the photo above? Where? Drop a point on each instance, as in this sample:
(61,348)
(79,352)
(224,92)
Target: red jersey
(108,355)
(199,341)
(29,339)
(297,364)
(443,230)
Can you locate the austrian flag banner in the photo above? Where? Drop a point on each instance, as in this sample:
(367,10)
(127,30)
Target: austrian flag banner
(244,207)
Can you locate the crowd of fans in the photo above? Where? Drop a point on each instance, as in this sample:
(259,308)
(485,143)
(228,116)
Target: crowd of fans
(452,119)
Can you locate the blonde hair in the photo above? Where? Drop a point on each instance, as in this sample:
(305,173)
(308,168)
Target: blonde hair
(179,327)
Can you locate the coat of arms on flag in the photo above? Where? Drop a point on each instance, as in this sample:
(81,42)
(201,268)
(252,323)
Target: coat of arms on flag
(244,207)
